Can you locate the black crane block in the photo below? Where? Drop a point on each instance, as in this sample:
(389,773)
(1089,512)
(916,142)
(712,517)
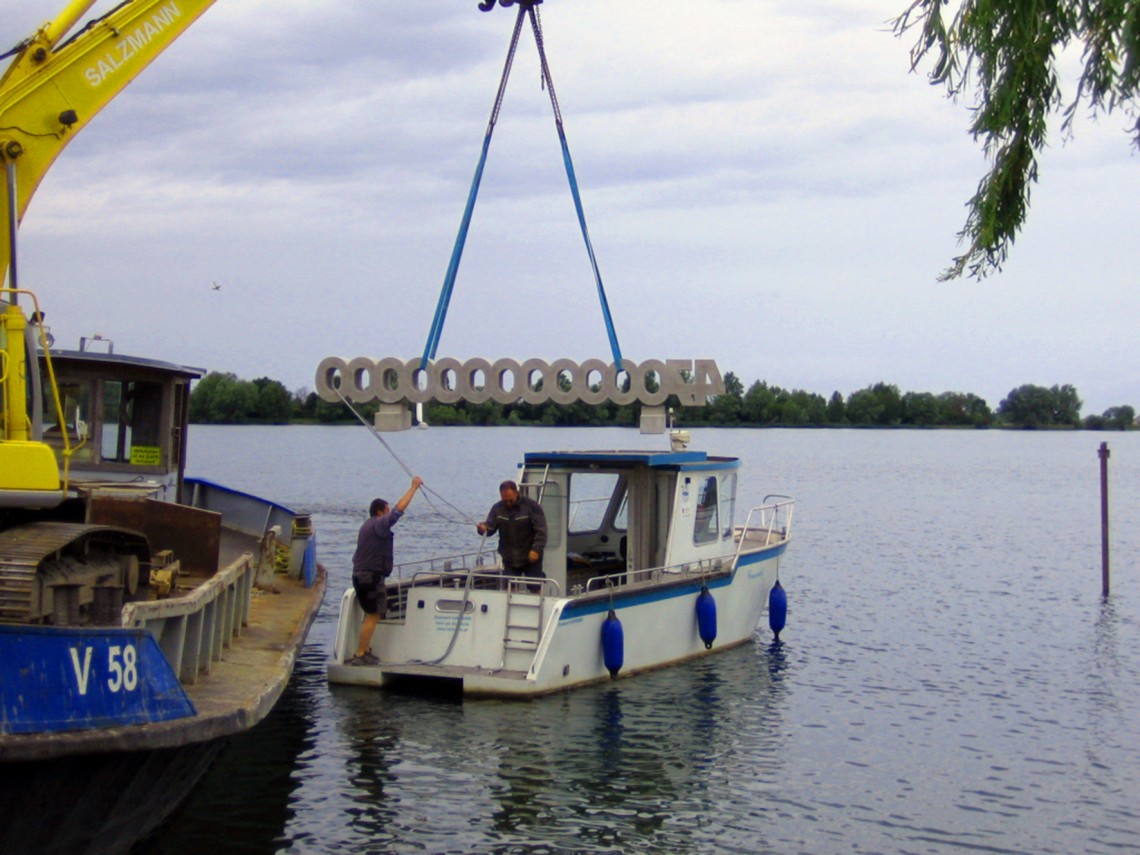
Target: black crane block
(488,5)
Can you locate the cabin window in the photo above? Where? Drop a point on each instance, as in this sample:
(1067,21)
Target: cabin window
(590,497)
(728,503)
(621,518)
(706,527)
(75,400)
(132,423)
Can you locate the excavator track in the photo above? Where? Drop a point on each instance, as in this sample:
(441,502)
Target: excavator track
(23,550)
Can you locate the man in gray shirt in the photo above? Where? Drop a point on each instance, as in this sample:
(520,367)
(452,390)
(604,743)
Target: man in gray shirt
(371,566)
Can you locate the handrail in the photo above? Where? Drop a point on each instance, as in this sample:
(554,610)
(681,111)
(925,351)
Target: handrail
(434,577)
(703,567)
(513,583)
(456,563)
(770,516)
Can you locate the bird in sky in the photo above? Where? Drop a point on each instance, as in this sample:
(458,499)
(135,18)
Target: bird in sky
(217,287)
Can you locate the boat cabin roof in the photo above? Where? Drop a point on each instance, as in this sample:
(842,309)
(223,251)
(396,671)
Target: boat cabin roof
(109,362)
(669,460)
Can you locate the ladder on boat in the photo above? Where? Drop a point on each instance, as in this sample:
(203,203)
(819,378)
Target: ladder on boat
(523,627)
(532,487)
(523,630)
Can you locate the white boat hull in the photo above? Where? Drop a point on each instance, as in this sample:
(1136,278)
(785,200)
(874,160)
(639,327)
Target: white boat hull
(496,653)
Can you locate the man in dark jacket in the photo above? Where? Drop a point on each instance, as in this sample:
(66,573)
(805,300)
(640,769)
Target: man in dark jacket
(521,525)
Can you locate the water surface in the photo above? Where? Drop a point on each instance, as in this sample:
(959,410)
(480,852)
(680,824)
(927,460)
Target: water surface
(950,678)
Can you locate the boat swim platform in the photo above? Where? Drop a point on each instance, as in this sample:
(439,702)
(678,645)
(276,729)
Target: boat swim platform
(371,675)
(241,688)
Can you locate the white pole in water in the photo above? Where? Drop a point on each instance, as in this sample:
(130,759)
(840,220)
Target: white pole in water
(1103,454)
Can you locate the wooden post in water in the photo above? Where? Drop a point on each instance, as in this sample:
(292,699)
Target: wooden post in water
(1103,454)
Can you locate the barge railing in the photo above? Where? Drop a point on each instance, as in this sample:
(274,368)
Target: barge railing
(192,630)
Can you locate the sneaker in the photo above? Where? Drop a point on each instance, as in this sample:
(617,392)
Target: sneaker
(363,659)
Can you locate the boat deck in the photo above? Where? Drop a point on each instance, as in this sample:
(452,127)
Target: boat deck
(246,681)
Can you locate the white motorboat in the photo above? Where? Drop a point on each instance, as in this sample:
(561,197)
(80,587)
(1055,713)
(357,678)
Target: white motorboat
(644,568)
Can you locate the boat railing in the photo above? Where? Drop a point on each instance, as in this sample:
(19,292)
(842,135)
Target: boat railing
(492,580)
(458,563)
(625,578)
(767,524)
(192,630)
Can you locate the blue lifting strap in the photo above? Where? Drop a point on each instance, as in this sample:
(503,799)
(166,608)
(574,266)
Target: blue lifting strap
(461,239)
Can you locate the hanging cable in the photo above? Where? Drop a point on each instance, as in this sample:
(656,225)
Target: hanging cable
(526,7)
(462,613)
(465,521)
(536,26)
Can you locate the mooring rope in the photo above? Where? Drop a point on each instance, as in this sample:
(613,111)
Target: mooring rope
(467,520)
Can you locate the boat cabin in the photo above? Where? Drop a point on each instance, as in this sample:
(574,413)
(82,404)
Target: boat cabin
(621,512)
(124,417)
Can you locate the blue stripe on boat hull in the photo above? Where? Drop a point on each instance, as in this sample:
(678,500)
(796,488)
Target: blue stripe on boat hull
(684,589)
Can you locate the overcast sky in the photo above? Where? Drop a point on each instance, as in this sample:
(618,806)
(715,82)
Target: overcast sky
(765,182)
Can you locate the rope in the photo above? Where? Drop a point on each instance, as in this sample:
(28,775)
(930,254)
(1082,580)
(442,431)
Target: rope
(432,345)
(458,619)
(464,520)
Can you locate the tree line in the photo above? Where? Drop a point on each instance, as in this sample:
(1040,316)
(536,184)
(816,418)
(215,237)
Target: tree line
(223,398)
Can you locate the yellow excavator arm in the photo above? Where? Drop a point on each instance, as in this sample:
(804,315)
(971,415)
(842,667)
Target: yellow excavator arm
(53,88)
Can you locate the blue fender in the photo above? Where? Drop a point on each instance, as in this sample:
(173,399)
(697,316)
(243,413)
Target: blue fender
(613,644)
(706,617)
(777,609)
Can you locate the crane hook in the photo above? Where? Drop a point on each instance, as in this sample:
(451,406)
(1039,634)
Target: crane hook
(488,5)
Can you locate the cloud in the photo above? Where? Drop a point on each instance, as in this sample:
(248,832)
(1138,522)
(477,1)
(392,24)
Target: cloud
(765,182)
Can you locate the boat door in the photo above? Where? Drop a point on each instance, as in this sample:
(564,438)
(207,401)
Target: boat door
(619,520)
(705,502)
(549,487)
(650,510)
